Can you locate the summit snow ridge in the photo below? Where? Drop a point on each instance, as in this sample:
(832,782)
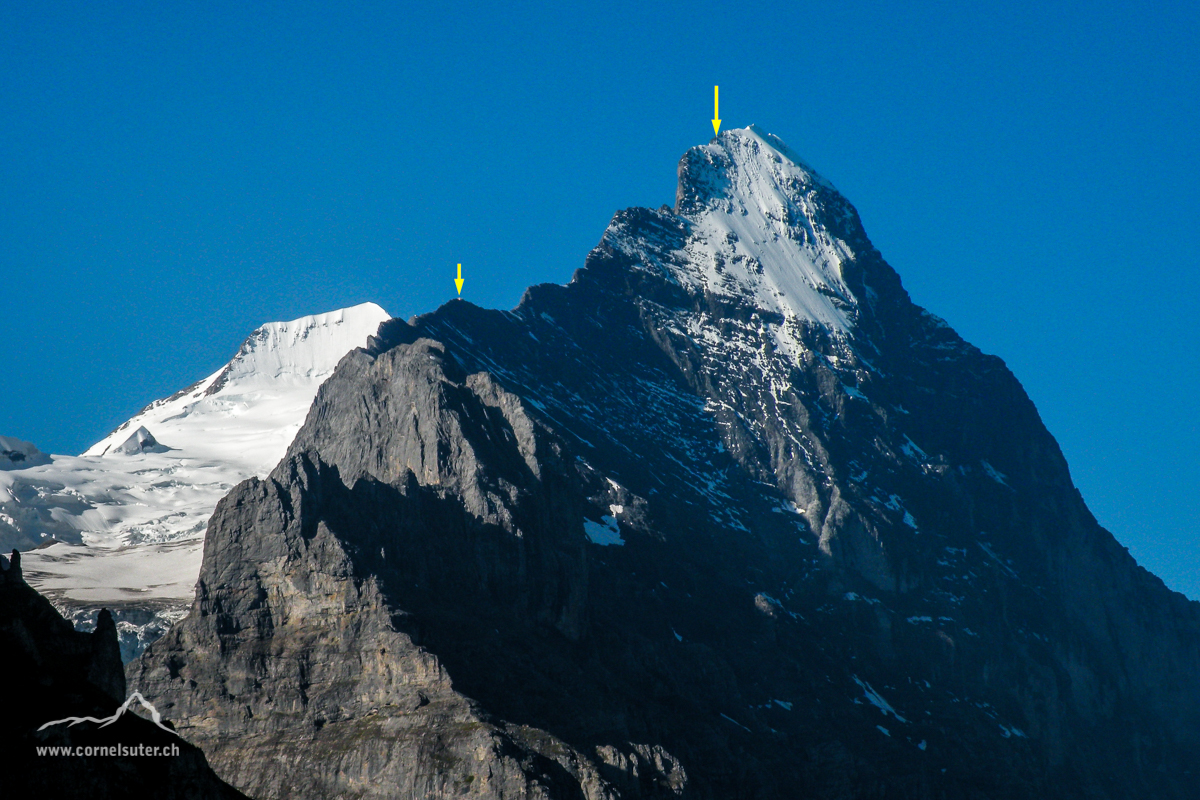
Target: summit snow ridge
(279,364)
(757,220)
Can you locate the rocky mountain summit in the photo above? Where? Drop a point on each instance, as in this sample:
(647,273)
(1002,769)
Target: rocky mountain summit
(726,516)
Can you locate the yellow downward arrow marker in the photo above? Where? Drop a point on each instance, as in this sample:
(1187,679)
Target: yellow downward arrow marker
(459,280)
(716,114)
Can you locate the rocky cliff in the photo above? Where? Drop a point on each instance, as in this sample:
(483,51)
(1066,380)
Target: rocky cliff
(726,516)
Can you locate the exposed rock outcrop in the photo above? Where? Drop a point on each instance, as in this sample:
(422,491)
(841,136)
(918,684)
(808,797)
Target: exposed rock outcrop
(18,454)
(140,441)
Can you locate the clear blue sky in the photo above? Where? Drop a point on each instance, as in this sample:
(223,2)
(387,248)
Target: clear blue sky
(172,175)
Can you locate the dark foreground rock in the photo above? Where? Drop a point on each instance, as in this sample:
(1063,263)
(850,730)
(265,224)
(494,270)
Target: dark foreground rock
(48,672)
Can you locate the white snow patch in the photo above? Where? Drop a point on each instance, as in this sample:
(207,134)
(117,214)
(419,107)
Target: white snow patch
(735,722)
(994,474)
(787,506)
(855,393)
(875,699)
(910,449)
(604,533)
(992,554)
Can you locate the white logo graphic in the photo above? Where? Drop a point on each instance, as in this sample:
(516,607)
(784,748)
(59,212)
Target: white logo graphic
(110,720)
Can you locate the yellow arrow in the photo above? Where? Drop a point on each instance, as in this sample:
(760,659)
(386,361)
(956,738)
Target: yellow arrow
(459,280)
(716,113)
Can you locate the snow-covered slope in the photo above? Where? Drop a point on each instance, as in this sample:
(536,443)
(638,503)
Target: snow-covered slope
(19,454)
(751,204)
(126,519)
(247,412)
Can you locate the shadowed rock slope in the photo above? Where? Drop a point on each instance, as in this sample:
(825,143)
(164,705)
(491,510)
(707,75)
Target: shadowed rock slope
(727,516)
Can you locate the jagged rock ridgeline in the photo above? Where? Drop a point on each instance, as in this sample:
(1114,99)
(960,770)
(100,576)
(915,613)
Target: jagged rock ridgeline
(846,558)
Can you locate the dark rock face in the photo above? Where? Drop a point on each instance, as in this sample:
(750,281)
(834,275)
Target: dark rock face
(49,672)
(852,562)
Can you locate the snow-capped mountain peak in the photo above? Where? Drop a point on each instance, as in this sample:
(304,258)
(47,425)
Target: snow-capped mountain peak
(273,376)
(761,228)
(303,348)
(138,501)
